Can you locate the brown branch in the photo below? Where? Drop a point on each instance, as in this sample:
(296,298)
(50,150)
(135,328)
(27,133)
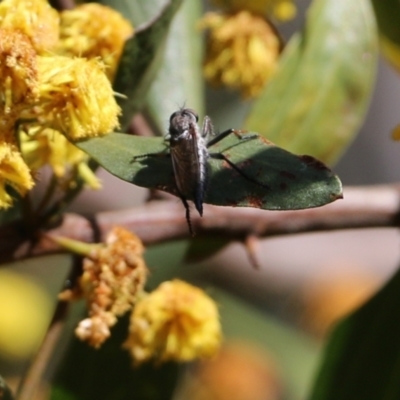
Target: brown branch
(161,221)
(39,365)
(61,5)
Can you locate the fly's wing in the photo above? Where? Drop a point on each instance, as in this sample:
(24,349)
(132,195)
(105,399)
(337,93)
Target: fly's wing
(185,165)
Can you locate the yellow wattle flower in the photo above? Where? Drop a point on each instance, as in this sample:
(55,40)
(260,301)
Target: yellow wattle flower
(25,312)
(114,274)
(93,30)
(282,10)
(177,321)
(49,147)
(242,51)
(396,133)
(35,18)
(18,73)
(13,172)
(391,51)
(75,97)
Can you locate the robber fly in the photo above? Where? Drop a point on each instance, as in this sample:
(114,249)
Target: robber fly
(189,152)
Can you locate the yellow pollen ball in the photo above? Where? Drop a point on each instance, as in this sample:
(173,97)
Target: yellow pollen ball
(76,98)
(177,321)
(242,51)
(93,30)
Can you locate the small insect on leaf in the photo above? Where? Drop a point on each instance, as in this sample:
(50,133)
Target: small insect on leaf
(188,149)
(234,168)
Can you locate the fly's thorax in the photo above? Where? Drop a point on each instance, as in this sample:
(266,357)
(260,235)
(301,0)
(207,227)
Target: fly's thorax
(183,125)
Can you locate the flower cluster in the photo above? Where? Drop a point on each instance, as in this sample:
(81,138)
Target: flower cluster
(50,96)
(92,30)
(114,274)
(242,46)
(176,321)
(282,10)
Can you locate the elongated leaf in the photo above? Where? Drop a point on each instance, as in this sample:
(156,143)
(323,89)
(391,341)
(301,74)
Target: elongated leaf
(387,14)
(200,249)
(318,98)
(294,182)
(108,373)
(138,12)
(179,80)
(5,392)
(141,59)
(362,358)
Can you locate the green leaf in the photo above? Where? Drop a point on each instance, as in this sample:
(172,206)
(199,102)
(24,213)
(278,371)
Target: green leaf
(362,358)
(136,11)
(12,213)
(387,14)
(317,100)
(294,182)
(5,392)
(179,80)
(108,373)
(140,60)
(201,248)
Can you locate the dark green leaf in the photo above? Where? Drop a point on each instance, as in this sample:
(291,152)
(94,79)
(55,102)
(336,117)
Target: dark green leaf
(201,248)
(5,392)
(13,213)
(140,60)
(388,14)
(179,80)
(318,98)
(294,182)
(107,373)
(362,358)
(136,11)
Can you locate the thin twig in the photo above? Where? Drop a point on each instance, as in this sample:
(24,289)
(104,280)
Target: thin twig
(34,376)
(162,221)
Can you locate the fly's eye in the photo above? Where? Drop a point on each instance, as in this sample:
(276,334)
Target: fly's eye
(173,115)
(194,113)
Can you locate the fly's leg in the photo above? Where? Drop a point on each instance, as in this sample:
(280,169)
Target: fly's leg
(207,129)
(241,135)
(183,199)
(220,156)
(187,208)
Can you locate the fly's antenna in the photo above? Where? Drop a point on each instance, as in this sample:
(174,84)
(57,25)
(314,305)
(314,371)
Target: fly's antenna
(180,108)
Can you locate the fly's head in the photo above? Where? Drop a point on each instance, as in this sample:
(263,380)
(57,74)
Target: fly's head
(182,123)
